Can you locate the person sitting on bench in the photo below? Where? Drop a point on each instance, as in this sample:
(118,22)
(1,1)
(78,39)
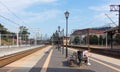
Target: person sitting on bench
(86,55)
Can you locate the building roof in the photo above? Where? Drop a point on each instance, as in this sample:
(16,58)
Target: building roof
(84,31)
(113,29)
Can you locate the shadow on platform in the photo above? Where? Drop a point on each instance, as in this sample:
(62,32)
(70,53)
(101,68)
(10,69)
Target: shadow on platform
(37,69)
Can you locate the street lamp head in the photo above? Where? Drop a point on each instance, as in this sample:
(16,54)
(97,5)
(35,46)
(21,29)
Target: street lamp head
(59,28)
(67,14)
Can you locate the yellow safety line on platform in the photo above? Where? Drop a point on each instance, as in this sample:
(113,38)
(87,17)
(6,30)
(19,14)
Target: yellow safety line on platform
(106,65)
(44,68)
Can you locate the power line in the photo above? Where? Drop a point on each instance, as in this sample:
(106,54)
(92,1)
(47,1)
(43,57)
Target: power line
(9,10)
(110,19)
(13,13)
(9,20)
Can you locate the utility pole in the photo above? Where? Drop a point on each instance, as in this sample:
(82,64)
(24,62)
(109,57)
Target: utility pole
(88,39)
(63,41)
(35,40)
(106,40)
(18,38)
(116,8)
(36,30)
(13,40)
(0,39)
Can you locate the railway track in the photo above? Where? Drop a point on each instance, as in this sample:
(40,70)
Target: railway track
(5,60)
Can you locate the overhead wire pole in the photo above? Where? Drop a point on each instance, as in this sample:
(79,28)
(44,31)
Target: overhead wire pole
(119,16)
(88,39)
(37,30)
(13,23)
(0,39)
(106,38)
(116,8)
(18,38)
(111,34)
(63,41)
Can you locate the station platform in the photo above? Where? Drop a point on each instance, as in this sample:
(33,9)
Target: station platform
(56,62)
(50,59)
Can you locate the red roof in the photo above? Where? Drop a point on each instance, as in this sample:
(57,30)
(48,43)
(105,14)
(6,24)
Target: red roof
(84,31)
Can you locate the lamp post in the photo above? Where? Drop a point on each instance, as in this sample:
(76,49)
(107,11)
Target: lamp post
(58,37)
(63,41)
(66,16)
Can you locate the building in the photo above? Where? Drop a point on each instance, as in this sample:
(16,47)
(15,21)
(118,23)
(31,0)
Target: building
(82,33)
(64,40)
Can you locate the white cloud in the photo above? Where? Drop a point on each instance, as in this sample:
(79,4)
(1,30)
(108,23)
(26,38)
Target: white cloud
(100,16)
(102,19)
(100,11)
(43,16)
(100,8)
(105,6)
(19,5)
(19,8)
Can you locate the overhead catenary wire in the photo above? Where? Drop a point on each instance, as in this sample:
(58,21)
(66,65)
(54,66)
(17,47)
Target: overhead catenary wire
(13,13)
(110,19)
(12,21)
(92,20)
(9,20)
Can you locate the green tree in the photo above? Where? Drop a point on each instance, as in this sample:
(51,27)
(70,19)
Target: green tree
(117,39)
(93,39)
(101,40)
(6,36)
(85,40)
(23,33)
(108,39)
(3,30)
(55,37)
(76,40)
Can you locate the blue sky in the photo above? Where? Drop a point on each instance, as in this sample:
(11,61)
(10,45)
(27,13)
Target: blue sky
(47,15)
